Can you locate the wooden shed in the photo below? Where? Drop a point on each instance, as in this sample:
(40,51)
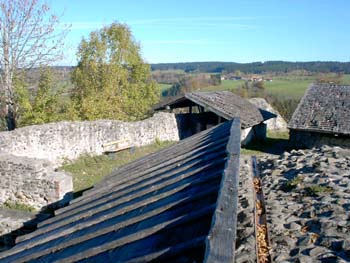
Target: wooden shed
(198,111)
(322,117)
(175,205)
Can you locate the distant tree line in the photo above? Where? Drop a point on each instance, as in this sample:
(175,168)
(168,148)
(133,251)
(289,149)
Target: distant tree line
(256,67)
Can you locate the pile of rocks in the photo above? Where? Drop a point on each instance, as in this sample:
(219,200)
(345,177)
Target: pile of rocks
(307,194)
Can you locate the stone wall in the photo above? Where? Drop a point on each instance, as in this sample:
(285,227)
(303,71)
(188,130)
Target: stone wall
(68,140)
(29,155)
(255,133)
(305,139)
(274,124)
(32,182)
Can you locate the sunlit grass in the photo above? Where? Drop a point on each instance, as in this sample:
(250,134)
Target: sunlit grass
(88,170)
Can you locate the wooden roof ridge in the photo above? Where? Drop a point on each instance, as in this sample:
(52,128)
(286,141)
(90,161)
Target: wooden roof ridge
(229,105)
(150,164)
(324,108)
(221,241)
(223,103)
(192,189)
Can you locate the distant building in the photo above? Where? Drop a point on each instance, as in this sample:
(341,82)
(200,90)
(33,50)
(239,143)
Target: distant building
(198,111)
(322,117)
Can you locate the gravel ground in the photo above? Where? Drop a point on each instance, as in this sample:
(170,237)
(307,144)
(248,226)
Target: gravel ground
(307,194)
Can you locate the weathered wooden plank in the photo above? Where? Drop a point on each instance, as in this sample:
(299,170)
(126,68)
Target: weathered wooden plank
(182,205)
(142,233)
(182,146)
(140,189)
(141,174)
(229,106)
(123,204)
(170,251)
(150,207)
(150,164)
(145,210)
(139,183)
(169,153)
(222,236)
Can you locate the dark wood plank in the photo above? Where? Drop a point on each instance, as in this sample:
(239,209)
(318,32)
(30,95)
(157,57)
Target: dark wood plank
(185,199)
(132,237)
(123,205)
(222,236)
(130,187)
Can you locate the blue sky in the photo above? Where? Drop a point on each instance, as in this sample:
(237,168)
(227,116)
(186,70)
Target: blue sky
(220,30)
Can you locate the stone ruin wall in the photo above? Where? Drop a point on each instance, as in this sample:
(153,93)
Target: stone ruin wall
(306,139)
(59,141)
(29,155)
(32,182)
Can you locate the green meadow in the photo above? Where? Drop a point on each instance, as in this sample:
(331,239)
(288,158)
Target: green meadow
(283,86)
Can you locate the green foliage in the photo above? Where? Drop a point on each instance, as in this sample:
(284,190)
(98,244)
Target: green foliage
(316,190)
(111,80)
(18,206)
(292,184)
(190,83)
(88,170)
(44,106)
(283,105)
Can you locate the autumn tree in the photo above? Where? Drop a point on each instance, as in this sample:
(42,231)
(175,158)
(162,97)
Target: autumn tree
(111,80)
(30,36)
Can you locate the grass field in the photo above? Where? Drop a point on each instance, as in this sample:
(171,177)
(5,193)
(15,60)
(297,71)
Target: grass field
(280,87)
(88,170)
(285,86)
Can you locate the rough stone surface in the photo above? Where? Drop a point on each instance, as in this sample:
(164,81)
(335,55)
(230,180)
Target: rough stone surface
(256,133)
(245,242)
(307,139)
(14,223)
(308,204)
(274,124)
(68,140)
(32,182)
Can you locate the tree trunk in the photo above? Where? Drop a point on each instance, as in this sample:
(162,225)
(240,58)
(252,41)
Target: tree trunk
(10,118)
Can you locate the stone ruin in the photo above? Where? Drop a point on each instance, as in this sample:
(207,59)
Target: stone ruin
(29,156)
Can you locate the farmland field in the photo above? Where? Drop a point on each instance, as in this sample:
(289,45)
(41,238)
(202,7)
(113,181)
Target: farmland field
(285,86)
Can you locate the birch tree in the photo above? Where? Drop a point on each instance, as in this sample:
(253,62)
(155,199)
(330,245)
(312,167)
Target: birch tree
(111,80)
(30,36)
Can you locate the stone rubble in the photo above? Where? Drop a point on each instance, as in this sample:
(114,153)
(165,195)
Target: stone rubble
(307,194)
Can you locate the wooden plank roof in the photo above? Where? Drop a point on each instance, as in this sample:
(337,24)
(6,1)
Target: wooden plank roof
(223,103)
(323,108)
(175,205)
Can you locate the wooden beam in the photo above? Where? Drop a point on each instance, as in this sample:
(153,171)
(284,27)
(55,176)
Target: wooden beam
(221,241)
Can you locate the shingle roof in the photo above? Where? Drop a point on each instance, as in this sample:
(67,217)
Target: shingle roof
(225,104)
(176,205)
(324,108)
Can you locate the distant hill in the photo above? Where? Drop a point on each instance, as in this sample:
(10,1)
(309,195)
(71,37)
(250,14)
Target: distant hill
(256,67)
